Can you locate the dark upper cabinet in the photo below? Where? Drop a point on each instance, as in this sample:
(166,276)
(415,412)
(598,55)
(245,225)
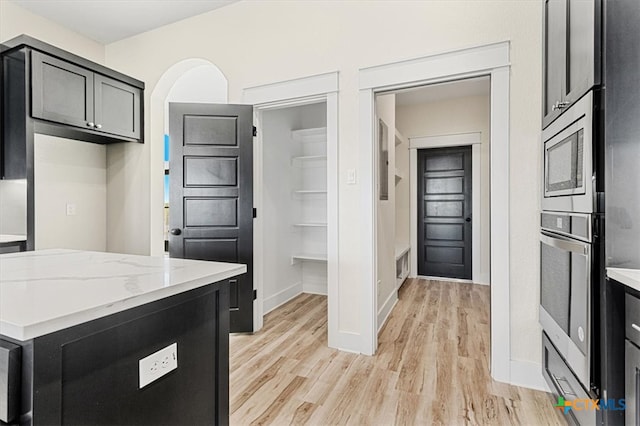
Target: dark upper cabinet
(571,57)
(60,91)
(68,94)
(117,107)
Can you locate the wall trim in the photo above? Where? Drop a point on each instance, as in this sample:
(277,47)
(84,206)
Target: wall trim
(304,87)
(492,60)
(444,141)
(320,289)
(282,297)
(528,375)
(385,310)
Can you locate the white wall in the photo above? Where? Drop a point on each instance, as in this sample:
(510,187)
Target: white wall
(454,116)
(70,172)
(386,211)
(262,42)
(13,207)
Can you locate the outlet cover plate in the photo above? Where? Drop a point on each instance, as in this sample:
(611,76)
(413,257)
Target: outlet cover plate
(156,365)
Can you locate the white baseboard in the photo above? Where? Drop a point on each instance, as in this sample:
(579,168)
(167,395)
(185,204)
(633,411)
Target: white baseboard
(280,298)
(347,341)
(528,375)
(314,288)
(385,310)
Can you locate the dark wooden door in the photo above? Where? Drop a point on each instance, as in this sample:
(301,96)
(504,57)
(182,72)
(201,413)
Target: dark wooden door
(117,107)
(211,193)
(444,212)
(61,92)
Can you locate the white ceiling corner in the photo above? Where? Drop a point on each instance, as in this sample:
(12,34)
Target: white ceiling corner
(479,86)
(107,21)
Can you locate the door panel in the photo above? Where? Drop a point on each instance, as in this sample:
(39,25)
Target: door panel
(62,92)
(211,193)
(444,212)
(117,108)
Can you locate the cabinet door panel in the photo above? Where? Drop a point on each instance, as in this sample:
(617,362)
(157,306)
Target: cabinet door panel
(580,48)
(117,108)
(554,53)
(61,92)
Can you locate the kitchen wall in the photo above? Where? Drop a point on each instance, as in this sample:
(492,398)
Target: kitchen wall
(255,43)
(13,207)
(386,222)
(70,175)
(454,116)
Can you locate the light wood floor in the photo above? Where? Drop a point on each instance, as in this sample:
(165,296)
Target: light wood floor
(431,367)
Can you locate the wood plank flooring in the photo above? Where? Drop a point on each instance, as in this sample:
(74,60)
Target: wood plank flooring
(432,367)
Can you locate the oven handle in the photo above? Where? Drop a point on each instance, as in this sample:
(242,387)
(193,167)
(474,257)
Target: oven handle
(565,244)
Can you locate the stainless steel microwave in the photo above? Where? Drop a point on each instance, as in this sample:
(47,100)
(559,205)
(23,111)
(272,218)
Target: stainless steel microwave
(568,160)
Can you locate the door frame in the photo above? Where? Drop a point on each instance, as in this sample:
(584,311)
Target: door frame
(492,60)
(449,141)
(298,92)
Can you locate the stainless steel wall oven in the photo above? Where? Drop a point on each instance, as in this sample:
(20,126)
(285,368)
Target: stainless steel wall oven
(570,256)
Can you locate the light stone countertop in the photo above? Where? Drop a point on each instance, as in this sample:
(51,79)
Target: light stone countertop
(628,277)
(48,290)
(6,238)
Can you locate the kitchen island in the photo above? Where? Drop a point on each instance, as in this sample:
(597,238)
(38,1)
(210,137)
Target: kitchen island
(104,338)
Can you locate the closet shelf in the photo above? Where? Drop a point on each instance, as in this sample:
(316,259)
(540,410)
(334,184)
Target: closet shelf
(317,257)
(318,134)
(311,225)
(309,158)
(310,191)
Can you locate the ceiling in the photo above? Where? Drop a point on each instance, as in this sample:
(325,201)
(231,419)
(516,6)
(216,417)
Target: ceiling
(107,21)
(438,92)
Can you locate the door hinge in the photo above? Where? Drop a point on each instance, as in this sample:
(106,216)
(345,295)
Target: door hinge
(255,294)
(255,131)
(255,212)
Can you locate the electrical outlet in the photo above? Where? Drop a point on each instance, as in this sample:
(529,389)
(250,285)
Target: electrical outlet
(71,209)
(156,365)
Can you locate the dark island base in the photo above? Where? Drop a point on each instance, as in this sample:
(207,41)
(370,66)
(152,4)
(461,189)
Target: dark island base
(89,374)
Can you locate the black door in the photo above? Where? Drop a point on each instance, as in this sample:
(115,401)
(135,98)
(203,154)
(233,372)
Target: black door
(444,212)
(211,193)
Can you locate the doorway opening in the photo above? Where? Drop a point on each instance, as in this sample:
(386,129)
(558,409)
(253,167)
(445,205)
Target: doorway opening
(489,60)
(432,180)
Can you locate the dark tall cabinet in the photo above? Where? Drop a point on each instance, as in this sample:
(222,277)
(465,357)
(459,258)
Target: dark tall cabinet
(622,133)
(571,53)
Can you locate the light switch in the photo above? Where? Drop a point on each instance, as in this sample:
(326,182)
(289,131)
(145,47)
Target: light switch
(71,209)
(351,176)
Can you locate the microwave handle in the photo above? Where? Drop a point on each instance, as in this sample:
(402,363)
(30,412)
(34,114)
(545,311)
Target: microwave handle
(561,243)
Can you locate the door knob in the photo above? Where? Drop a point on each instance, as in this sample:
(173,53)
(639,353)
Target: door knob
(90,124)
(468,219)
(175,231)
(98,126)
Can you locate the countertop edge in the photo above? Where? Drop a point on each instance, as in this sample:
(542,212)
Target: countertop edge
(25,333)
(628,277)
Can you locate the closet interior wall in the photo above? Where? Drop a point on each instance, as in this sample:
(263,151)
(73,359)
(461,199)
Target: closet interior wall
(294,202)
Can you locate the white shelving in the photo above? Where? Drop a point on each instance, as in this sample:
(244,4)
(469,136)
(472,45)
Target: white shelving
(318,134)
(310,225)
(402,262)
(314,257)
(310,191)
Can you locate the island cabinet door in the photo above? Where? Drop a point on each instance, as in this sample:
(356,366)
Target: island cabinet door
(90,374)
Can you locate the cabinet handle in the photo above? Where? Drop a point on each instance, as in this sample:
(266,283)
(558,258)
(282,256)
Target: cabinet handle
(635,327)
(90,124)
(98,126)
(560,105)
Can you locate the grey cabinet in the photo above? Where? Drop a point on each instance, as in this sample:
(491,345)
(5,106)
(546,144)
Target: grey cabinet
(571,58)
(68,94)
